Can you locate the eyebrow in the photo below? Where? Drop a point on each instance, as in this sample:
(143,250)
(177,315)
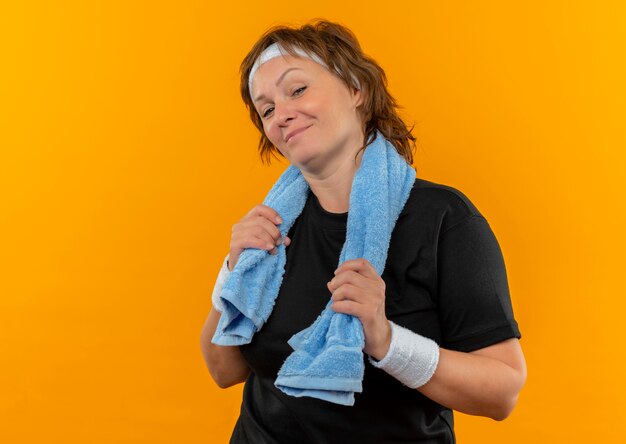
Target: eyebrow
(280,79)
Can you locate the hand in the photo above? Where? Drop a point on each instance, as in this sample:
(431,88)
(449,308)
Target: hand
(257,229)
(359,291)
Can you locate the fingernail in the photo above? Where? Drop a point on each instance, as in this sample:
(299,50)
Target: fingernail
(278,220)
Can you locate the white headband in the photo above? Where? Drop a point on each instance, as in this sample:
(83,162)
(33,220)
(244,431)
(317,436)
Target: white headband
(275,50)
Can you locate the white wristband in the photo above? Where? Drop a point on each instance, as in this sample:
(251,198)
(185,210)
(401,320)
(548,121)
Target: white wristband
(412,358)
(219,284)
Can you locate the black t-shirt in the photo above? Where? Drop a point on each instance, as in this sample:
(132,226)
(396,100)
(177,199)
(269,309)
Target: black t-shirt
(445,279)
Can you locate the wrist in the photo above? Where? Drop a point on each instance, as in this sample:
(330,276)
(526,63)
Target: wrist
(381,351)
(219,284)
(412,358)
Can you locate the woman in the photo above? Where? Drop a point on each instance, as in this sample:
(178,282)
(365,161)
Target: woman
(438,323)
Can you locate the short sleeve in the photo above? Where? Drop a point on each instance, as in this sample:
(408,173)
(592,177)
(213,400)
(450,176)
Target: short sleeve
(473,297)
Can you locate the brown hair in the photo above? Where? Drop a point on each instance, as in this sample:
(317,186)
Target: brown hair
(339,48)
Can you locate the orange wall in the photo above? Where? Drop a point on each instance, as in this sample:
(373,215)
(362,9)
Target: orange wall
(126,155)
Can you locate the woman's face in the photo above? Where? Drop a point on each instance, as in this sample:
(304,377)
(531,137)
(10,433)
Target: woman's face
(308,113)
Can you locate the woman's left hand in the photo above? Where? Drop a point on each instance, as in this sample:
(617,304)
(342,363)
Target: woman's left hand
(359,291)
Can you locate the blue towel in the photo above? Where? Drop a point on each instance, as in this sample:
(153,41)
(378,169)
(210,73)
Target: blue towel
(327,362)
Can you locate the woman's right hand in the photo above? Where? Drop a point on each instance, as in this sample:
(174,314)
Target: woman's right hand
(257,229)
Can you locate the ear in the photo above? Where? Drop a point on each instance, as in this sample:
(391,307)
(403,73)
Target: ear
(358,97)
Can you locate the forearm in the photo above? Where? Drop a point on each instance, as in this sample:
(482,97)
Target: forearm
(473,384)
(226,364)
(485,382)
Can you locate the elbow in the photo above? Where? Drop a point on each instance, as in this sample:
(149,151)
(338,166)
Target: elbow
(224,381)
(224,385)
(224,374)
(504,410)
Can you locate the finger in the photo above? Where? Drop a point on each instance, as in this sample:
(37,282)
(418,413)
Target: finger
(266,226)
(269,241)
(268,212)
(347,307)
(361,265)
(253,242)
(348,277)
(348,292)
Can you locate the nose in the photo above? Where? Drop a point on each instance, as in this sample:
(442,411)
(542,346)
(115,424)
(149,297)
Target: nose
(284,112)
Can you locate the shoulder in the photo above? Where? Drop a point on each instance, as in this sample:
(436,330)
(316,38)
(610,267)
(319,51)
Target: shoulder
(439,203)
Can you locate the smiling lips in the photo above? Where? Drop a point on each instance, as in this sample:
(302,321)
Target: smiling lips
(294,133)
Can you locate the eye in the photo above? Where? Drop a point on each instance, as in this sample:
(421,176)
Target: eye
(297,92)
(266,112)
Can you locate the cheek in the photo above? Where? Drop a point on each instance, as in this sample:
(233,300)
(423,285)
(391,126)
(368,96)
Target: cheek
(272,132)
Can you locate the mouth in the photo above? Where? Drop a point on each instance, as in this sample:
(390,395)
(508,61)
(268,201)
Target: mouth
(295,133)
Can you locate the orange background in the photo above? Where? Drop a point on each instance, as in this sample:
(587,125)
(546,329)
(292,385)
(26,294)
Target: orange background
(126,155)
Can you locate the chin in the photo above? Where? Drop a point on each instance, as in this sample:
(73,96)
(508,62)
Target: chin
(299,154)
(311,163)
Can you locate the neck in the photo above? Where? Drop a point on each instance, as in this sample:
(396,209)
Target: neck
(333,186)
